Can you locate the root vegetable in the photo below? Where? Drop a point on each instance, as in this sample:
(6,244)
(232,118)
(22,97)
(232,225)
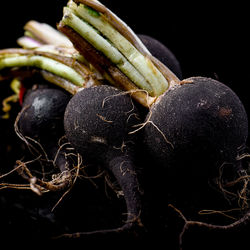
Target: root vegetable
(40,122)
(200,118)
(192,131)
(43,110)
(98,121)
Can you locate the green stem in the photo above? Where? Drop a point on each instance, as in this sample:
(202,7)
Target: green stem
(44,63)
(101,44)
(141,63)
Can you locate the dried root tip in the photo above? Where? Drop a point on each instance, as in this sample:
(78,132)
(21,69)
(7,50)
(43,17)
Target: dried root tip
(124,231)
(60,182)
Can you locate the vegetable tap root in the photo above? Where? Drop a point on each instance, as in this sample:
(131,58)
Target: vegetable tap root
(98,121)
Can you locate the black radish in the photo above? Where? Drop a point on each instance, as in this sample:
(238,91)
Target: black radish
(40,122)
(99,124)
(201,117)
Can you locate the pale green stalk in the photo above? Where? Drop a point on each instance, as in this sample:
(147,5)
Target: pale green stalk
(44,63)
(152,75)
(104,46)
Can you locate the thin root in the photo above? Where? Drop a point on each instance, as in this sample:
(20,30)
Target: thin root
(14,186)
(128,226)
(190,223)
(242,193)
(222,212)
(31,148)
(39,186)
(130,92)
(142,125)
(79,159)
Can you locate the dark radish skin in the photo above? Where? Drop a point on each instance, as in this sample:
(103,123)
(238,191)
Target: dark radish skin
(41,121)
(98,121)
(189,133)
(202,115)
(193,129)
(43,109)
(162,53)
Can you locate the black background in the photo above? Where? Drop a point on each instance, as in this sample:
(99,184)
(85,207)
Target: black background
(209,39)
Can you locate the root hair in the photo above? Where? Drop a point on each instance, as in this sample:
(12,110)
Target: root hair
(142,125)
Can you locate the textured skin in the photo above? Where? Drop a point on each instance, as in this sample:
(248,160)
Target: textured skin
(162,53)
(203,120)
(97,123)
(106,116)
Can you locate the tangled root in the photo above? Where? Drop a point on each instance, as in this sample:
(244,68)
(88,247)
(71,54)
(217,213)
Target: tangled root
(237,187)
(58,181)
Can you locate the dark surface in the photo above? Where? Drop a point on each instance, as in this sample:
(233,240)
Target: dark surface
(207,39)
(105,116)
(200,118)
(43,113)
(205,125)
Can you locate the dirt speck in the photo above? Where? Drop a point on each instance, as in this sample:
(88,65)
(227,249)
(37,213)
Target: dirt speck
(225,112)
